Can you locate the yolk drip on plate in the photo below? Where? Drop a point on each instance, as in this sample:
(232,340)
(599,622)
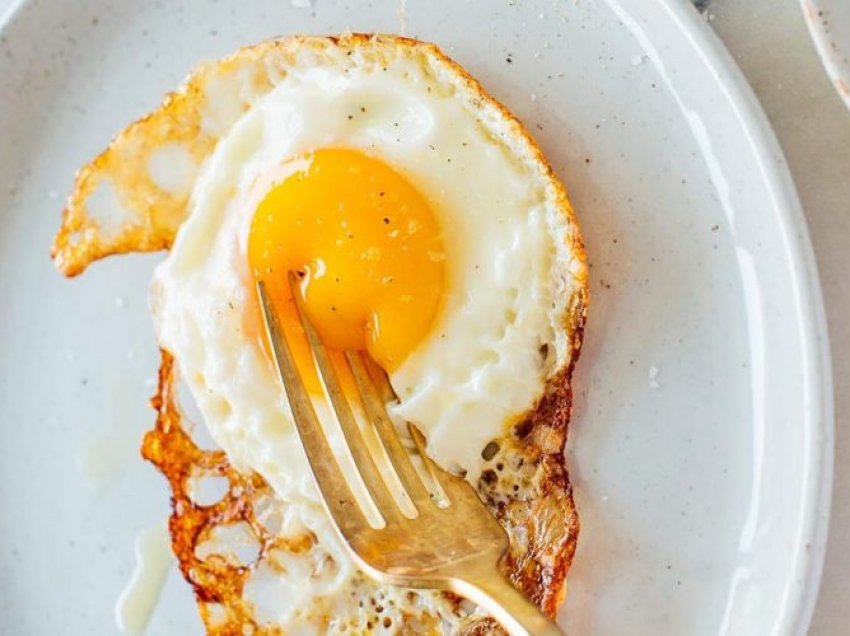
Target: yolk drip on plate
(368,246)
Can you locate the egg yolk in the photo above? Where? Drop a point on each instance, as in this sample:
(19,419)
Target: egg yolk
(367,250)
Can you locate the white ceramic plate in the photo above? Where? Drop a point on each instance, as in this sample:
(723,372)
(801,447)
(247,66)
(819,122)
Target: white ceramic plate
(701,443)
(829,24)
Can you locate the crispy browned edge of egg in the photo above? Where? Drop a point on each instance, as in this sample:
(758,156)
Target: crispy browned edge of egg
(525,483)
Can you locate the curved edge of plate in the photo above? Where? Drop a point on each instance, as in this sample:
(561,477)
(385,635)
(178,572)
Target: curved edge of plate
(11,11)
(833,57)
(817,372)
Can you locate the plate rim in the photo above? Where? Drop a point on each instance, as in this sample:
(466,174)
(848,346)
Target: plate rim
(810,313)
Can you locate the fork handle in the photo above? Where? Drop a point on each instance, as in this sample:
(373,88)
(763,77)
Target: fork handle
(488,587)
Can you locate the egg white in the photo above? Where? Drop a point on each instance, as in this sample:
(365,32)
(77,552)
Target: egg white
(500,332)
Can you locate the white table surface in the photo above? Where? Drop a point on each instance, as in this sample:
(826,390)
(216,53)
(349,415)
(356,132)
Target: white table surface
(769,40)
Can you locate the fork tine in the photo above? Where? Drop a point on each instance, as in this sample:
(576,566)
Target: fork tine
(379,417)
(337,496)
(363,459)
(382,382)
(450,487)
(455,488)
(430,467)
(387,395)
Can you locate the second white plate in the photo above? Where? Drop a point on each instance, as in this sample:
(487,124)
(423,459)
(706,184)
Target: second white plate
(829,24)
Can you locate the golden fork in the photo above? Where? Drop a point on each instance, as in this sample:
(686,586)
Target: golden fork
(454,548)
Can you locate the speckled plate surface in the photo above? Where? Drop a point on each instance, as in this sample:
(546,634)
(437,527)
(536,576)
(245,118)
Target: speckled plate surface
(829,24)
(702,439)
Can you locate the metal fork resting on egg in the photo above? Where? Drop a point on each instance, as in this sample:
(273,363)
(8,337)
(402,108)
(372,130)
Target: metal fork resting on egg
(450,542)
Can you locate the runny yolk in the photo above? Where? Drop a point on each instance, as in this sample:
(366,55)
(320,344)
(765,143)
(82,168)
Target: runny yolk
(368,249)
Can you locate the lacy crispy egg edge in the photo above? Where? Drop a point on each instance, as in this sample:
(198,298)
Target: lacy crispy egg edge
(524,482)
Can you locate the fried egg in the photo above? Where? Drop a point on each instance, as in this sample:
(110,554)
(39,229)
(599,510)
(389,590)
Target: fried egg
(427,230)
